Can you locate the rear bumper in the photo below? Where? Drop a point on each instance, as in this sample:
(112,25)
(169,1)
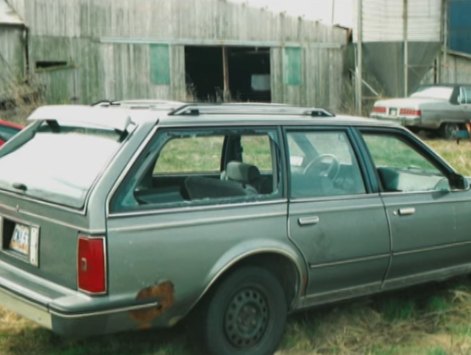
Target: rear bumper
(418,122)
(404,121)
(36,313)
(68,312)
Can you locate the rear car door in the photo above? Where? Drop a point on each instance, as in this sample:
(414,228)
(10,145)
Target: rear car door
(429,223)
(339,226)
(181,214)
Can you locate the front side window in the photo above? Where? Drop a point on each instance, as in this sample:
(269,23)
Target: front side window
(401,166)
(323,164)
(184,167)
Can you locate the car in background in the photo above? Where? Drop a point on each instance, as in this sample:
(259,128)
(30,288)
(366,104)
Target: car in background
(133,215)
(442,108)
(8,130)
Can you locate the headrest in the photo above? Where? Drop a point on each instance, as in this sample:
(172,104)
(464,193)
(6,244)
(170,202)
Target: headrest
(242,172)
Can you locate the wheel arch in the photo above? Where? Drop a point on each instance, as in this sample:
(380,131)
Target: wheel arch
(285,264)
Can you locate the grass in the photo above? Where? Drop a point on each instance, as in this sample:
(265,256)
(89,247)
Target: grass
(433,319)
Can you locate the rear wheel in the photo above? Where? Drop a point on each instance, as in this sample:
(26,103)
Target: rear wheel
(245,314)
(448,130)
(413,129)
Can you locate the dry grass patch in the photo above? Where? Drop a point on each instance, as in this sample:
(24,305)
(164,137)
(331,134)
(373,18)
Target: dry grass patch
(458,155)
(431,319)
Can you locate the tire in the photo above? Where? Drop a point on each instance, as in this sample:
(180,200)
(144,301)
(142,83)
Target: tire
(448,130)
(244,314)
(413,129)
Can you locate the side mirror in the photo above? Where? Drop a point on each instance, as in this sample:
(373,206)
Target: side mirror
(458,182)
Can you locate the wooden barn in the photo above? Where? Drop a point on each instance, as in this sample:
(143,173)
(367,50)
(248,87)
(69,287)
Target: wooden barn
(211,50)
(13,55)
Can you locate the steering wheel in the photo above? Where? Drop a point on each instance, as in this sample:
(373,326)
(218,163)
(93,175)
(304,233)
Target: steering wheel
(324,165)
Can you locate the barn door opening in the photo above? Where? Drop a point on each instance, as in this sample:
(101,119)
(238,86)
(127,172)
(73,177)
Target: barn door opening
(217,73)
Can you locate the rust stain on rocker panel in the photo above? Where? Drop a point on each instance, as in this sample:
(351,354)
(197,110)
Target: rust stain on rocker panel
(163,293)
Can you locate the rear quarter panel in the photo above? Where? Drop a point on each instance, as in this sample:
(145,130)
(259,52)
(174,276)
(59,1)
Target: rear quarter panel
(189,248)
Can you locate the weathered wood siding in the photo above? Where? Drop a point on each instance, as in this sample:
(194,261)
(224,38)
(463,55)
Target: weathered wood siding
(12,58)
(106,44)
(456,69)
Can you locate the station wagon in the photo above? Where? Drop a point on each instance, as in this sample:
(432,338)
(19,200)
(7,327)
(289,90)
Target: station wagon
(132,215)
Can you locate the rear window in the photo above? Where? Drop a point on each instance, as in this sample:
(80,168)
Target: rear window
(59,164)
(434,92)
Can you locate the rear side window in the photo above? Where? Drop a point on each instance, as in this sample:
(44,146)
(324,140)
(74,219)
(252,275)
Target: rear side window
(191,154)
(59,164)
(184,167)
(465,95)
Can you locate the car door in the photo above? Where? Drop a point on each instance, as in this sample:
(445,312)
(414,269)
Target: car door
(174,217)
(340,228)
(429,223)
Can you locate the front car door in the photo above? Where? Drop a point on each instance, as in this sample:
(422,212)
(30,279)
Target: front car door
(429,222)
(334,219)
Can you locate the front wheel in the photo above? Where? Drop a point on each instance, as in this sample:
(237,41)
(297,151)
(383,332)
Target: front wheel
(245,314)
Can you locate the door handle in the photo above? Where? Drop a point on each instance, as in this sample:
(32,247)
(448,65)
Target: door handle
(407,211)
(306,221)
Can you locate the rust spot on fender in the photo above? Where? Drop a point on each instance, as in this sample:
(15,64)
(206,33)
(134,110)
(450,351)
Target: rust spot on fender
(163,292)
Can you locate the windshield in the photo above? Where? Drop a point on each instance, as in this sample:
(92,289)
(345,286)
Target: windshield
(59,166)
(435,92)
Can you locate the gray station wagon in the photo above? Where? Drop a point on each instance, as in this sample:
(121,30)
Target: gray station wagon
(132,215)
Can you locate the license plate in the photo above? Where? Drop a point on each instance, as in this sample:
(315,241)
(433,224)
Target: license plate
(393,111)
(20,239)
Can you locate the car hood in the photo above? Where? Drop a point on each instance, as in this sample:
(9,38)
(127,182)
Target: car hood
(407,101)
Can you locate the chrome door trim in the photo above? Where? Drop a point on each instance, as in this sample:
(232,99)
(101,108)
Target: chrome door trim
(428,249)
(195,222)
(194,208)
(350,261)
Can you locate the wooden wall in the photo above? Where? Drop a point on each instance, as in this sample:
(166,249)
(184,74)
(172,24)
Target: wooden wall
(12,58)
(106,46)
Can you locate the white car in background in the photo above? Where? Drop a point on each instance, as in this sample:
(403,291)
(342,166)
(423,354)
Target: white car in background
(442,108)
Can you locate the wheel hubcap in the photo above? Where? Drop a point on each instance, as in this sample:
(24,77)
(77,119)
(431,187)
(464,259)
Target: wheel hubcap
(451,129)
(246,318)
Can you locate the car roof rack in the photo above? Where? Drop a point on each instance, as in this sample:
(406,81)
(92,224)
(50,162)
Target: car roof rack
(141,104)
(249,109)
(104,103)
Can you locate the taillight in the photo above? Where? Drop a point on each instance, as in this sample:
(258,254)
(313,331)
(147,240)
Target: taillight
(409,112)
(379,109)
(91,264)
